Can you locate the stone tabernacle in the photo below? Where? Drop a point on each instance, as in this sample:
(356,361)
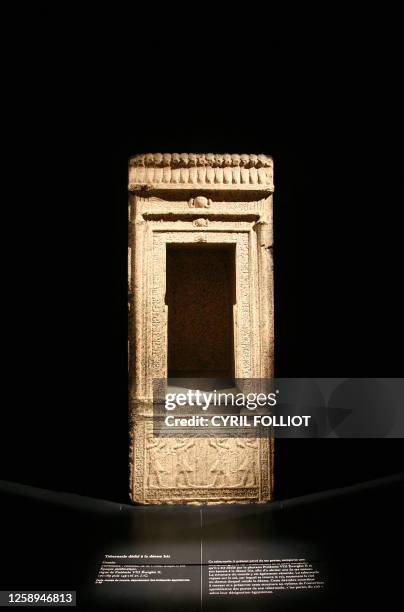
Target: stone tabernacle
(201,305)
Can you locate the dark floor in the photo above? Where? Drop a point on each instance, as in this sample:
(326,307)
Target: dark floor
(351,536)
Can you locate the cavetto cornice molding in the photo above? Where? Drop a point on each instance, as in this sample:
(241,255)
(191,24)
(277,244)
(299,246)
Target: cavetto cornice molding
(201,171)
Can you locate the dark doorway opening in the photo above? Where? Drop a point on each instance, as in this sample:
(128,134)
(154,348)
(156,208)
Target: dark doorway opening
(200,295)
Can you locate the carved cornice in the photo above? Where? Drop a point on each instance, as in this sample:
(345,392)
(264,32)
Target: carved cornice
(200,171)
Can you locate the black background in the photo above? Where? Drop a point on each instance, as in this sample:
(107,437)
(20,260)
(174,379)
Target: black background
(327,112)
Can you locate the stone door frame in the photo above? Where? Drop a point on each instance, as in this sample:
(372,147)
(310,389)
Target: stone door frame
(252,292)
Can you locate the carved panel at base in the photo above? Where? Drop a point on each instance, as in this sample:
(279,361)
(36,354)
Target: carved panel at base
(210,470)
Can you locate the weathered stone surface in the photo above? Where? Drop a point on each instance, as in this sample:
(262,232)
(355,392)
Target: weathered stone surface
(188,201)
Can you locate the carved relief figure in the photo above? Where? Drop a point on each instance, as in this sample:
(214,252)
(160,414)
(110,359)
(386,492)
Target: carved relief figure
(220,467)
(183,469)
(248,467)
(201,458)
(154,461)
